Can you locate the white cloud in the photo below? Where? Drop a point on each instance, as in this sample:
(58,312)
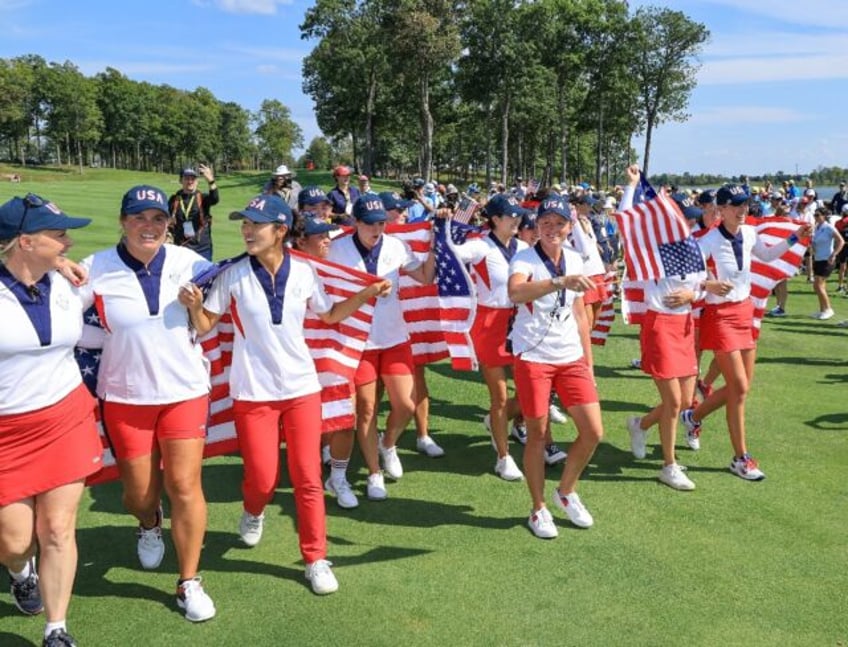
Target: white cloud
(263,7)
(782,69)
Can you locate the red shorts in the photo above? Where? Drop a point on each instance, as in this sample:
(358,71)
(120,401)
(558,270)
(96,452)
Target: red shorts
(489,335)
(52,446)
(728,326)
(668,345)
(574,384)
(597,294)
(395,360)
(134,430)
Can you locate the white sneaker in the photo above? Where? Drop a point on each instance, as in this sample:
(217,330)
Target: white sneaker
(542,524)
(391,461)
(826,314)
(376,488)
(638,437)
(674,477)
(326,458)
(197,604)
(251,527)
(151,547)
(554,454)
(555,415)
(341,489)
(747,468)
(573,508)
(636,363)
(321,577)
(693,430)
(507,469)
(427,446)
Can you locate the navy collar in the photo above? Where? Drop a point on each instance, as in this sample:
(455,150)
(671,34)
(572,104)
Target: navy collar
(556,269)
(149,276)
(735,243)
(35,300)
(369,256)
(508,251)
(273,286)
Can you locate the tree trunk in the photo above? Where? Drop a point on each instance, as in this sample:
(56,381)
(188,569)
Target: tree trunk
(488,146)
(426,127)
(649,130)
(599,146)
(505,138)
(368,157)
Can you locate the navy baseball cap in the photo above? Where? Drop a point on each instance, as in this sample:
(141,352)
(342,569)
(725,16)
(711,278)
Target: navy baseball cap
(502,204)
(554,204)
(266,208)
(188,171)
(528,221)
(33,213)
(143,197)
(392,200)
(687,206)
(312,195)
(707,197)
(313,226)
(731,194)
(369,208)
(586,198)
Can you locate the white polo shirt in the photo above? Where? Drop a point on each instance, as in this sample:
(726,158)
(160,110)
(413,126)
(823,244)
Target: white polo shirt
(388,327)
(33,376)
(270,358)
(150,355)
(545,331)
(586,244)
(721,260)
(491,270)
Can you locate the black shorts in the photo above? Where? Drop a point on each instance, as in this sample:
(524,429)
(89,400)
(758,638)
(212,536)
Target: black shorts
(822,269)
(843,255)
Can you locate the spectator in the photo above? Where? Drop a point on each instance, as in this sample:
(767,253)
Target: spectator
(364,184)
(827,244)
(424,208)
(191,215)
(842,259)
(840,199)
(283,184)
(343,195)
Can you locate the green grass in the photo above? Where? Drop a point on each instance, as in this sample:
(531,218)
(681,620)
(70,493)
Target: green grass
(448,560)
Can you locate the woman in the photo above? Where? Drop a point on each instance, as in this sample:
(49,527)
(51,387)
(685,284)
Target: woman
(388,354)
(668,343)
(273,381)
(827,245)
(550,340)
(154,385)
(584,239)
(727,320)
(343,195)
(490,257)
(48,437)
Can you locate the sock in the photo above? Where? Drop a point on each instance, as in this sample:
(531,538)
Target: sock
(50,627)
(338,469)
(25,572)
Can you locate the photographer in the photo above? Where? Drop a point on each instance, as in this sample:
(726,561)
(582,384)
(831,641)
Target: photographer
(424,208)
(191,218)
(282,184)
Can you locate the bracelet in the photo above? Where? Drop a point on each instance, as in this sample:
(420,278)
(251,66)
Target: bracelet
(792,239)
(558,281)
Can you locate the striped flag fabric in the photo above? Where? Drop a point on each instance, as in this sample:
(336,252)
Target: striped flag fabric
(335,349)
(657,241)
(465,210)
(764,276)
(603,322)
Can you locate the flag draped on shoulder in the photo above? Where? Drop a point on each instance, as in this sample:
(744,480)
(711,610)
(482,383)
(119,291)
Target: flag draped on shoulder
(764,276)
(656,239)
(335,348)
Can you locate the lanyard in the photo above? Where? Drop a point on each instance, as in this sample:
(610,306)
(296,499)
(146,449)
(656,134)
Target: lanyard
(35,300)
(273,286)
(507,251)
(186,209)
(555,270)
(369,256)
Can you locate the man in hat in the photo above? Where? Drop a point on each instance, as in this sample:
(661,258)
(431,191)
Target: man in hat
(191,218)
(283,184)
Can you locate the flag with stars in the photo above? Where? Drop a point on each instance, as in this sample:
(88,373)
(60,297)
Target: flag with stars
(466,210)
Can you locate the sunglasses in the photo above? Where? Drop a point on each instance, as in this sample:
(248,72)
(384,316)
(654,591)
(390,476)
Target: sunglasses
(31,201)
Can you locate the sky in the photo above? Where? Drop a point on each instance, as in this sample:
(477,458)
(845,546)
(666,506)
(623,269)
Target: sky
(771,95)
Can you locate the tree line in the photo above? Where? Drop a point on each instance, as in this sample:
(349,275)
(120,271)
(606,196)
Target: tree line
(51,112)
(553,89)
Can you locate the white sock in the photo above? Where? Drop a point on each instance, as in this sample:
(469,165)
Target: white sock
(53,626)
(25,573)
(338,471)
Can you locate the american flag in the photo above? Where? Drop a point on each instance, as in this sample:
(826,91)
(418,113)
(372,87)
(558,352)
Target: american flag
(764,276)
(466,210)
(600,331)
(335,349)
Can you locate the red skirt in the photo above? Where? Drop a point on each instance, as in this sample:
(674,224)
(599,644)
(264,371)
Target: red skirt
(728,326)
(43,449)
(668,345)
(488,333)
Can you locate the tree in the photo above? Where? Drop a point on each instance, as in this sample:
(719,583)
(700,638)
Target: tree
(277,133)
(234,135)
(320,152)
(664,65)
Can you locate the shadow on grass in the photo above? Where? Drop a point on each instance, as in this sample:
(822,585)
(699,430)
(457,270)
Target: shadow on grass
(804,361)
(11,640)
(830,422)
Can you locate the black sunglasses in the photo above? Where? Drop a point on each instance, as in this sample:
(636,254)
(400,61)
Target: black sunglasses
(31,201)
